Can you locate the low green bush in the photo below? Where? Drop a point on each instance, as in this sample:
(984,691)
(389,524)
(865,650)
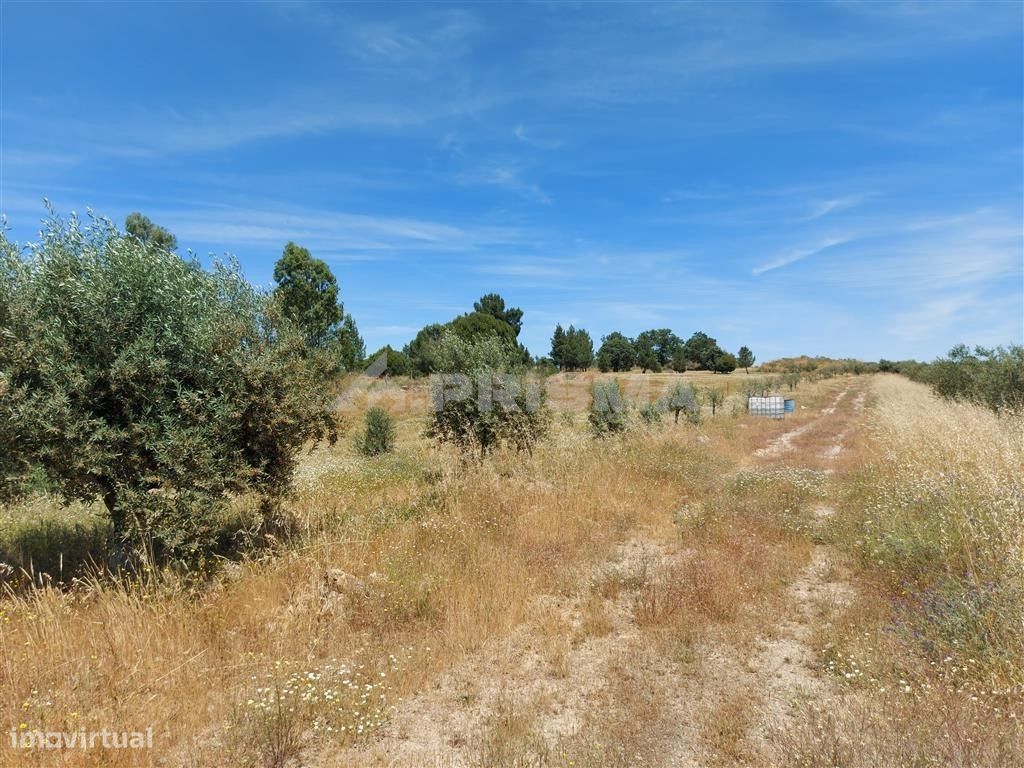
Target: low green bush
(379,436)
(608,410)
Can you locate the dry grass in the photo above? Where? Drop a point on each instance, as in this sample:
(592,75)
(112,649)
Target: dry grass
(567,392)
(408,563)
(724,728)
(929,657)
(411,555)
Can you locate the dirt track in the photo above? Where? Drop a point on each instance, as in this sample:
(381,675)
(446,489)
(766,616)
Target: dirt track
(560,673)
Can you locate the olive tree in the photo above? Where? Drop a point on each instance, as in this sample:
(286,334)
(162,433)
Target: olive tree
(608,408)
(133,376)
(683,399)
(713,397)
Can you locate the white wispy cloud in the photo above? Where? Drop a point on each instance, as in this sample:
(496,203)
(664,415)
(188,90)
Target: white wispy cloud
(825,207)
(506,176)
(338,232)
(799,254)
(711,43)
(516,267)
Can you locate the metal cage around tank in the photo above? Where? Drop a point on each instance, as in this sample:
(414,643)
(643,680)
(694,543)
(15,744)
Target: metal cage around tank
(769,406)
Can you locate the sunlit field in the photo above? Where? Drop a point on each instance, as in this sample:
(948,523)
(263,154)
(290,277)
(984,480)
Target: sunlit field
(706,593)
(512,385)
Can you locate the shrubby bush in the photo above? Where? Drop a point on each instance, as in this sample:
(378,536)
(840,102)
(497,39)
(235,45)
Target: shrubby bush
(682,399)
(481,399)
(131,375)
(650,414)
(455,353)
(379,435)
(608,410)
(992,377)
(479,412)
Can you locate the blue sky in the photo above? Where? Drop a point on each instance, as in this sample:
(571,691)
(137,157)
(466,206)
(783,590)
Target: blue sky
(828,178)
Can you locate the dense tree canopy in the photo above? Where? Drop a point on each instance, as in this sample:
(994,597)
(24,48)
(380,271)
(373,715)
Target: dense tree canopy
(723,362)
(424,351)
(647,358)
(474,325)
(572,349)
(145,230)
(307,292)
(662,342)
(701,350)
(420,352)
(616,353)
(397,364)
(348,345)
(492,304)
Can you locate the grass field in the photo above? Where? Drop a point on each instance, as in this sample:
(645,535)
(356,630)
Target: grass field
(565,391)
(840,588)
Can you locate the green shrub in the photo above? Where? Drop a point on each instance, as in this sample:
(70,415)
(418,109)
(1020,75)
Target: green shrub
(713,397)
(133,376)
(379,436)
(993,378)
(480,412)
(608,411)
(651,414)
(683,399)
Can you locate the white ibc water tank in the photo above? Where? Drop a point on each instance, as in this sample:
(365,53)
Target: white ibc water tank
(772,406)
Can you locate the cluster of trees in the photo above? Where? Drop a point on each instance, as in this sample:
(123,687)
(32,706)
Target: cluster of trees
(572,349)
(490,322)
(659,349)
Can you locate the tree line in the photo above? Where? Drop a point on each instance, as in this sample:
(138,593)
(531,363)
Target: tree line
(572,349)
(655,350)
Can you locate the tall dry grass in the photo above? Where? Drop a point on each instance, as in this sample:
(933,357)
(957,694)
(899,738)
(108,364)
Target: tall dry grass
(409,561)
(964,462)
(930,658)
